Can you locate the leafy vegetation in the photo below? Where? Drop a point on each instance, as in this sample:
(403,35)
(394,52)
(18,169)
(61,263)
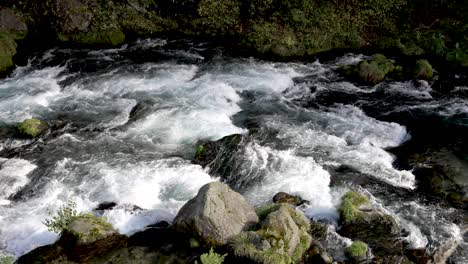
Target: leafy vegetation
(65,214)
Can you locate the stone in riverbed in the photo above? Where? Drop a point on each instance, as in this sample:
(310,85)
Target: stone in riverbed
(283,197)
(32,127)
(282,238)
(216,214)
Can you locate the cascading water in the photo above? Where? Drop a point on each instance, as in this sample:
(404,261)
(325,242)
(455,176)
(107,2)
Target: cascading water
(126,122)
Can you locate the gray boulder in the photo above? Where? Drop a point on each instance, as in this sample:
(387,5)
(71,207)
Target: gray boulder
(216,214)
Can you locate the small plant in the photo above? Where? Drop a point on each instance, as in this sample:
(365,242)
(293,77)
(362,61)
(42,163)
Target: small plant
(65,214)
(357,250)
(211,258)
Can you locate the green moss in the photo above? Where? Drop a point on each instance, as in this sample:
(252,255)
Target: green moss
(200,151)
(459,57)
(349,205)
(211,258)
(32,127)
(357,250)
(423,70)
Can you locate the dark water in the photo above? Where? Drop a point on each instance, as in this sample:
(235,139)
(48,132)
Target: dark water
(311,133)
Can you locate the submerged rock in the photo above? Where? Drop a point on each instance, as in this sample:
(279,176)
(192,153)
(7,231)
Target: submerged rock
(359,220)
(32,127)
(216,214)
(282,238)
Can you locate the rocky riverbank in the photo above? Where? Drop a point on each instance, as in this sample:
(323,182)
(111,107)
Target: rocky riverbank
(284,29)
(221,219)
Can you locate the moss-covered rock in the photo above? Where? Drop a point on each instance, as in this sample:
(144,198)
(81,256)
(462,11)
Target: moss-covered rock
(423,70)
(360,220)
(282,238)
(357,251)
(371,71)
(89,228)
(32,127)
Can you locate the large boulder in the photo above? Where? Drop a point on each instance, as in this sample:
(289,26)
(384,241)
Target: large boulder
(12,27)
(360,220)
(282,238)
(216,214)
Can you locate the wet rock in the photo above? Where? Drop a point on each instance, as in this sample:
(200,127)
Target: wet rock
(316,254)
(161,224)
(282,238)
(216,214)
(423,70)
(418,256)
(442,173)
(359,220)
(217,153)
(283,197)
(32,127)
(105,206)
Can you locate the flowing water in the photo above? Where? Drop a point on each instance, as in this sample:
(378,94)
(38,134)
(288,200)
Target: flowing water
(309,123)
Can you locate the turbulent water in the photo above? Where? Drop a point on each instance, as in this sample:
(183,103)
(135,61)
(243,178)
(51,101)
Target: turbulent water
(309,123)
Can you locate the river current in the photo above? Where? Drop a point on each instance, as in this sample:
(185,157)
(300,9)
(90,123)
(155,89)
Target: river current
(126,123)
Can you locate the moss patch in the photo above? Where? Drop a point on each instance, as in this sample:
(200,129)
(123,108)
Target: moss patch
(423,70)
(357,250)
(349,205)
(32,127)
